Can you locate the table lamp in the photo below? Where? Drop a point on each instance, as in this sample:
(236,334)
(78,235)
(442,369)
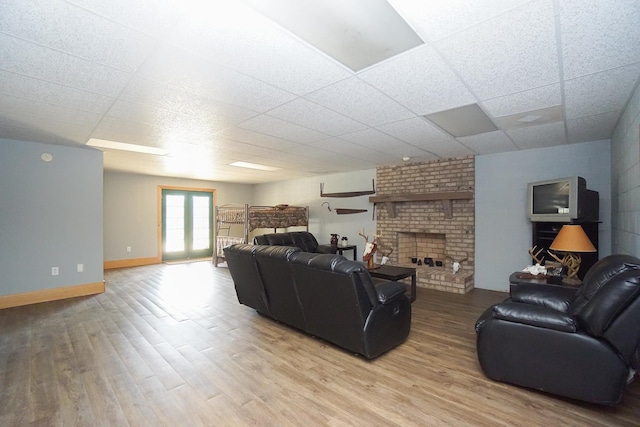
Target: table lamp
(571,240)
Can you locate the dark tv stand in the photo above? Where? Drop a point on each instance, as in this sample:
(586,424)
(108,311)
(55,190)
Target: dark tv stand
(545,232)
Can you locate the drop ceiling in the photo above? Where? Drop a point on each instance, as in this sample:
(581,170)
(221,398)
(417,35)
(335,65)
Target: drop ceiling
(216,82)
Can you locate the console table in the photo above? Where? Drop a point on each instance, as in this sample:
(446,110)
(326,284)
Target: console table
(395,273)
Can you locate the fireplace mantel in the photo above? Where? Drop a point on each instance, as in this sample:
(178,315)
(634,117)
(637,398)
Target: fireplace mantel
(445,197)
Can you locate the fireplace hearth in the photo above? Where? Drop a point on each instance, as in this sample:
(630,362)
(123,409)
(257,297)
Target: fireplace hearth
(419,229)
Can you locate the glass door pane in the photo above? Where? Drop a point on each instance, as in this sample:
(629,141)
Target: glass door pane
(201,224)
(174,223)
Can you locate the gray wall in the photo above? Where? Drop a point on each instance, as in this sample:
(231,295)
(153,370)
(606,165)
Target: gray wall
(306,192)
(50,216)
(625,180)
(503,231)
(131,210)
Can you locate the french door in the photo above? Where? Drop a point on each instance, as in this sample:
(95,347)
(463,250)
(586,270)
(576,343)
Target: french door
(187,218)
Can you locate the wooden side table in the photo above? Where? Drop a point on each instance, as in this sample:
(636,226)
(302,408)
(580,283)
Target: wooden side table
(395,273)
(353,248)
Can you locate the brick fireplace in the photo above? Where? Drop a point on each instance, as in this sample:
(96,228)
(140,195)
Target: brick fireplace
(431,214)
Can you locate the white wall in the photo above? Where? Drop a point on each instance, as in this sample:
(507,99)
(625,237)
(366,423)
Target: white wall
(306,192)
(131,210)
(503,231)
(50,216)
(625,179)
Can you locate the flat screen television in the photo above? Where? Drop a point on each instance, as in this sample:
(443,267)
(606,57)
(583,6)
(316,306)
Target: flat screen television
(562,200)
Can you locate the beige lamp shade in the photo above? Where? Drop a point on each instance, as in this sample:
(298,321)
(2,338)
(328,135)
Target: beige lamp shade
(572,238)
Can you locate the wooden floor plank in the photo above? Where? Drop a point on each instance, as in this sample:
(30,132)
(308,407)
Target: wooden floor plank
(171,345)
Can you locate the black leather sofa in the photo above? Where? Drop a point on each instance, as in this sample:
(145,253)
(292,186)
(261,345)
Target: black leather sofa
(323,295)
(301,239)
(582,343)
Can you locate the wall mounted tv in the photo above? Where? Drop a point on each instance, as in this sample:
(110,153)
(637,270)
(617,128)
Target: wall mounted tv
(562,200)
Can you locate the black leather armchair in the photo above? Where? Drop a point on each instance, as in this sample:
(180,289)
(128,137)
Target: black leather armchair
(301,239)
(580,343)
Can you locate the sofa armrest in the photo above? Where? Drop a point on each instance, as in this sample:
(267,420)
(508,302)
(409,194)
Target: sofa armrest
(388,291)
(326,249)
(554,297)
(534,315)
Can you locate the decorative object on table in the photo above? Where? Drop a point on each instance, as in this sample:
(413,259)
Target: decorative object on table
(571,240)
(554,268)
(457,265)
(414,259)
(419,262)
(428,261)
(370,249)
(344,241)
(536,255)
(349,193)
(385,255)
(535,270)
(438,263)
(334,239)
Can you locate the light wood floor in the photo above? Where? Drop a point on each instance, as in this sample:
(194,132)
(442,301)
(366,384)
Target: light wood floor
(170,345)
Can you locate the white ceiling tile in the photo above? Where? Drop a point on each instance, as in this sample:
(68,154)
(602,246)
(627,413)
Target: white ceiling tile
(438,19)
(153,17)
(185,102)
(269,53)
(313,116)
(493,62)
(375,140)
(528,100)
(489,142)
(23,132)
(43,129)
(183,70)
(592,128)
(256,138)
(415,131)
(360,101)
(601,92)
(420,80)
(76,31)
(42,91)
(598,35)
(21,57)
(281,129)
(425,136)
(11,106)
(547,135)
(353,151)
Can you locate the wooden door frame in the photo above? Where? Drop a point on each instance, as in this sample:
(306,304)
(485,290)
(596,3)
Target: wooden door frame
(159,204)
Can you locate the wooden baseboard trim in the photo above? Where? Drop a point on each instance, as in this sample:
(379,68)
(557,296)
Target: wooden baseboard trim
(46,295)
(132,262)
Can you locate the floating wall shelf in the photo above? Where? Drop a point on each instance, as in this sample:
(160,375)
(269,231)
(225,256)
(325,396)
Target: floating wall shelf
(445,197)
(348,193)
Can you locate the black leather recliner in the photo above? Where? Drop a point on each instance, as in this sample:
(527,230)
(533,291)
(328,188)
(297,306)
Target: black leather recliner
(324,295)
(301,239)
(580,343)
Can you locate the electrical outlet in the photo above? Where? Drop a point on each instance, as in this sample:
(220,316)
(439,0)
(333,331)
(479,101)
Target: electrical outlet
(80,268)
(128,248)
(55,271)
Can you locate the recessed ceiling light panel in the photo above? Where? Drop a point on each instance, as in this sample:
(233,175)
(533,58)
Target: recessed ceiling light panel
(357,33)
(254,166)
(123,146)
(463,121)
